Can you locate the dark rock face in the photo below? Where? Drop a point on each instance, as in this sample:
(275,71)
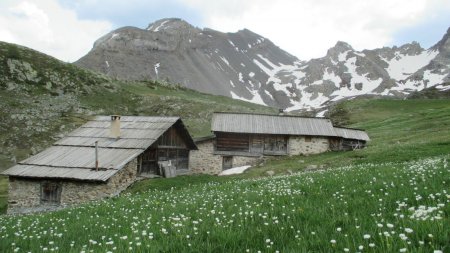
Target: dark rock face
(246,66)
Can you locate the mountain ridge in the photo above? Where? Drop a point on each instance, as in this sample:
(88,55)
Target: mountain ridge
(249,67)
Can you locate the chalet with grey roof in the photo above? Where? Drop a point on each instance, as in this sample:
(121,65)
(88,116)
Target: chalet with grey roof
(99,159)
(243,139)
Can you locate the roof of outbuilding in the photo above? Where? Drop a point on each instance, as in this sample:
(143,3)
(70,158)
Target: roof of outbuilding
(271,124)
(352,133)
(73,157)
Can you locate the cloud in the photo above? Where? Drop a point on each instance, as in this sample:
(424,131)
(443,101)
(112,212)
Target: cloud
(308,28)
(67,29)
(49,28)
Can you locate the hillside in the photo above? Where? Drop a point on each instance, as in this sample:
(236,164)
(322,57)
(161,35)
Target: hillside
(390,197)
(42,98)
(249,67)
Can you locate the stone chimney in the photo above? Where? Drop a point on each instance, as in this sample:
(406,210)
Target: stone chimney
(115,126)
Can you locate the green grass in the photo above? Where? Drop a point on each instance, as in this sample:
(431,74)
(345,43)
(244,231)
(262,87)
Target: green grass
(175,182)
(299,213)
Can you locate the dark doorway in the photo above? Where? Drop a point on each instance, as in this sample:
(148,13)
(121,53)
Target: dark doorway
(227,162)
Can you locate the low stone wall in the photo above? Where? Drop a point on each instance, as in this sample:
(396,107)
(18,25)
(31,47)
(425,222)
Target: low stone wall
(299,146)
(25,194)
(203,160)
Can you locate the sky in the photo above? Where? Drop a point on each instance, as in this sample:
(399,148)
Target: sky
(67,29)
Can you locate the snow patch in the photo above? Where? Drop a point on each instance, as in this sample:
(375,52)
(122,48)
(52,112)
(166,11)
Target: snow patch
(107,64)
(224,60)
(442,87)
(251,74)
(332,77)
(241,78)
(256,97)
(270,95)
(156,66)
(235,170)
(433,79)
(321,114)
(343,56)
(269,72)
(402,66)
(232,84)
(159,27)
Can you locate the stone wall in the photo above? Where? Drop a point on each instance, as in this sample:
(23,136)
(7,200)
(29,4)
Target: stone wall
(203,160)
(239,161)
(25,194)
(299,146)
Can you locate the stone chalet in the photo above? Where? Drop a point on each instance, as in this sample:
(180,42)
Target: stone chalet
(243,139)
(100,159)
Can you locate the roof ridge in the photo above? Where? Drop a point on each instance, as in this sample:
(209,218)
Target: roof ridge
(360,129)
(277,115)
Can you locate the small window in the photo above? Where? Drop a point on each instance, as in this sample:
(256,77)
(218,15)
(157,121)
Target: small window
(308,138)
(50,193)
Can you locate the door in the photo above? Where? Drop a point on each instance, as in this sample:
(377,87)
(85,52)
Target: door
(227,162)
(149,162)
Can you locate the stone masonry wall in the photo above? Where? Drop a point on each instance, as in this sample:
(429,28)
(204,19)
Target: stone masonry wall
(298,145)
(25,194)
(239,161)
(203,160)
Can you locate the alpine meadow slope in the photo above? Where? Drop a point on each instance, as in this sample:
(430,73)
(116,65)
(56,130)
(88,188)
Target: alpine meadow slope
(249,67)
(392,196)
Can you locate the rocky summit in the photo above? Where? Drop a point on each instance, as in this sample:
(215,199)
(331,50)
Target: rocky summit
(247,66)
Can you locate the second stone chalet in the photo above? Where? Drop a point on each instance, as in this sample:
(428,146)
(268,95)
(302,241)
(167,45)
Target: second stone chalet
(242,139)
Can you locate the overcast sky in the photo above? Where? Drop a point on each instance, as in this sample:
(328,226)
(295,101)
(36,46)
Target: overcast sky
(67,29)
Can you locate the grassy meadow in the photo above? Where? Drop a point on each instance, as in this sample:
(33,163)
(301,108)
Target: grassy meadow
(393,196)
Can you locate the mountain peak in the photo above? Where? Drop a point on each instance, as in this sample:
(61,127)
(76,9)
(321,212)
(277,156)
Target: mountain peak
(339,48)
(343,46)
(168,23)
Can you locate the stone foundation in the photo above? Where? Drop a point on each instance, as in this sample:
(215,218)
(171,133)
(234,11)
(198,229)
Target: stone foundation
(203,160)
(25,194)
(299,146)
